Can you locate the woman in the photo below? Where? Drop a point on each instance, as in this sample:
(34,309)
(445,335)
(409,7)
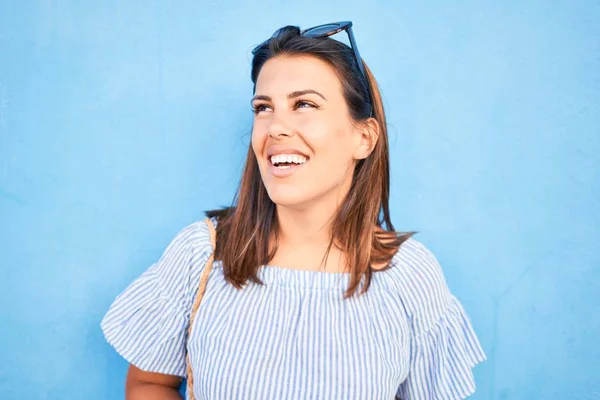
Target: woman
(310,297)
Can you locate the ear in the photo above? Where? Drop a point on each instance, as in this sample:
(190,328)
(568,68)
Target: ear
(369,134)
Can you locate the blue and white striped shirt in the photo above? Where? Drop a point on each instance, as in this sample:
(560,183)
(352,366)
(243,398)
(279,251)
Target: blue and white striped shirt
(296,337)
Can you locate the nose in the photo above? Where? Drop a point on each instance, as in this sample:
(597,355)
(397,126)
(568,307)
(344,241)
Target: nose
(279,128)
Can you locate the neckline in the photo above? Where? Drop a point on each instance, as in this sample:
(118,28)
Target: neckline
(299,278)
(274,275)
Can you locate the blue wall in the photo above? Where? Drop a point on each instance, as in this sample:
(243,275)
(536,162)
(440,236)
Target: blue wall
(121,121)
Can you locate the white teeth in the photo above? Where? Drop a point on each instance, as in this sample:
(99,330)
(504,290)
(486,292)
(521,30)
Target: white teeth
(288,158)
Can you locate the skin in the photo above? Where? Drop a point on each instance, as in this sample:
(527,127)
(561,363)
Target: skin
(321,128)
(142,385)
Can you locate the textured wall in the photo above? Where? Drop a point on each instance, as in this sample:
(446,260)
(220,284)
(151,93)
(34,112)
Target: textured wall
(121,121)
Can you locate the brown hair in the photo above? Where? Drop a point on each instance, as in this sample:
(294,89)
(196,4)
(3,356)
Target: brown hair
(244,229)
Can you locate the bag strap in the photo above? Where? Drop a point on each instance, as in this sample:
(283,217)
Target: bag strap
(196,305)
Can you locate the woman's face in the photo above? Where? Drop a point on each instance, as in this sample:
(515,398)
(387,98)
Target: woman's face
(299,108)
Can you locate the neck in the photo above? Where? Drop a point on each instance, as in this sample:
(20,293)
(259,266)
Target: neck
(305,228)
(308,226)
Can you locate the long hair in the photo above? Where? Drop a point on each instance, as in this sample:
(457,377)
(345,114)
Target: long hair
(244,229)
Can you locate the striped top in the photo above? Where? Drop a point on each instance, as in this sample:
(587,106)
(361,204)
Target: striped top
(296,337)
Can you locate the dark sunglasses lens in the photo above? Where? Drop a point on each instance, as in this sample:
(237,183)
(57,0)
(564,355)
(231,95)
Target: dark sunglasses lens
(322,30)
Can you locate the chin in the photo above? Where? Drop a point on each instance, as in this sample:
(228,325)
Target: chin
(287,198)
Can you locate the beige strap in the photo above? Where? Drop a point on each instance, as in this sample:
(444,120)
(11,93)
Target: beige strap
(196,305)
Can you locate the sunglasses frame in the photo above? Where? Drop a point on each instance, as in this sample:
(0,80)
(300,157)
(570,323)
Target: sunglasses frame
(342,26)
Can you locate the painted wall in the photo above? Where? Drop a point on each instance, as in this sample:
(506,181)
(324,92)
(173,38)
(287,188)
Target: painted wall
(121,121)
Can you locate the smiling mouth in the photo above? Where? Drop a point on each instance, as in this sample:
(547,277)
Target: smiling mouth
(282,167)
(285,162)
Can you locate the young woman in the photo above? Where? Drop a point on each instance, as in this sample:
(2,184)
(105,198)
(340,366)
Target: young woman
(309,297)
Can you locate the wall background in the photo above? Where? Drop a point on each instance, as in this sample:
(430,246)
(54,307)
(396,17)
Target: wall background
(121,121)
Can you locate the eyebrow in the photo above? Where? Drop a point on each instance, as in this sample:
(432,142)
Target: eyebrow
(292,95)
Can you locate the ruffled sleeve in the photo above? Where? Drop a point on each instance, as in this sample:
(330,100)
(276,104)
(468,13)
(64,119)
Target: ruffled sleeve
(147,323)
(443,345)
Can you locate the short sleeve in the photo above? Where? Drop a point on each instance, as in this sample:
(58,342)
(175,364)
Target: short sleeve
(147,323)
(443,345)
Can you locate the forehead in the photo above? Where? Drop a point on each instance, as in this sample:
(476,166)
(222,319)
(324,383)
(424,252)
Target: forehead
(285,74)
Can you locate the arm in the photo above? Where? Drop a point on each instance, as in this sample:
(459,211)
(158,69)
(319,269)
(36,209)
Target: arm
(148,322)
(142,385)
(443,345)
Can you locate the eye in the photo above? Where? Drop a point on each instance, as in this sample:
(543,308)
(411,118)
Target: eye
(304,104)
(256,108)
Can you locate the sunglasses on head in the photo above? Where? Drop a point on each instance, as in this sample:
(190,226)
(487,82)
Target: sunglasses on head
(333,28)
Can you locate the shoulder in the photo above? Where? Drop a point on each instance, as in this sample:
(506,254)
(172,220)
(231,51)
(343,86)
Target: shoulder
(417,277)
(187,251)
(415,261)
(194,237)
(176,273)
(196,231)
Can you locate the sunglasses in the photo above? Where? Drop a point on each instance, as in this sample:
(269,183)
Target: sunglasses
(336,27)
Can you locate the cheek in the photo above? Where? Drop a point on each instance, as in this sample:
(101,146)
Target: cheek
(332,143)
(328,127)
(258,138)
(332,164)
(316,129)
